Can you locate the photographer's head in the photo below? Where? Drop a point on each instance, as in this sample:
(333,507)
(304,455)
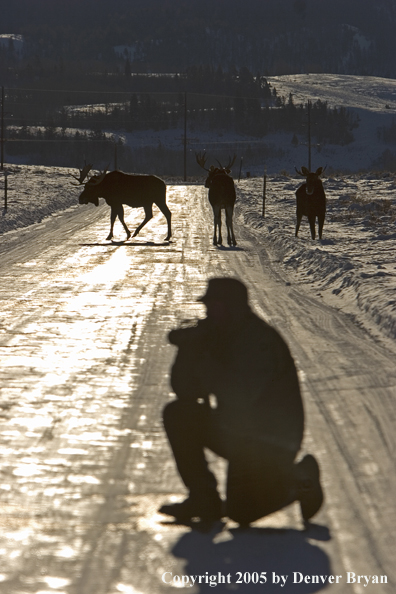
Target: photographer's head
(226,300)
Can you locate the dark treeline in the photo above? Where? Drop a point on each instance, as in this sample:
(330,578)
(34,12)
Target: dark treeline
(388,133)
(73,39)
(386,161)
(103,151)
(257,114)
(49,147)
(57,133)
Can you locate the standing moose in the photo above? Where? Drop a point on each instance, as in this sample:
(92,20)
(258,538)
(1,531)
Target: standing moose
(311,200)
(119,188)
(221,196)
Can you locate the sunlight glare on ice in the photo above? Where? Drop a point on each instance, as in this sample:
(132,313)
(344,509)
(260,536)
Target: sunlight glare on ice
(72,451)
(113,269)
(66,553)
(80,479)
(20,535)
(126,589)
(26,470)
(49,592)
(56,582)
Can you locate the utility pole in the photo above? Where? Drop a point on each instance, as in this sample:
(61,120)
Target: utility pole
(5,189)
(264,189)
(240,169)
(309,134)
(2,129)
(185,137)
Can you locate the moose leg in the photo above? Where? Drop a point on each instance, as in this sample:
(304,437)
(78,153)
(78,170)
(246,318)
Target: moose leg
(149,215)
(168,215)
(311,219)
(298,223)
(217,239)
(120,212)
(113,216)
(321,220)
(230,229)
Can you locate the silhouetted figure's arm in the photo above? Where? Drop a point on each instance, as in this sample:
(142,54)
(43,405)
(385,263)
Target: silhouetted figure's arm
(185,377)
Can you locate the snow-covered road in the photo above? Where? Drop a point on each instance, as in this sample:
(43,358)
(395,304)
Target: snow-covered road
(84,375)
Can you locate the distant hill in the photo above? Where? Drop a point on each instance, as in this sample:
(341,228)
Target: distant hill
(269,37)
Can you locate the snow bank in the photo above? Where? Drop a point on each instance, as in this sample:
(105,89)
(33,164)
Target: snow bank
(34,193)
(353,267)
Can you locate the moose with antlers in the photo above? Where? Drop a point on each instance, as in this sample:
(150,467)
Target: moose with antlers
(311,200)
(221,196)
(117,188)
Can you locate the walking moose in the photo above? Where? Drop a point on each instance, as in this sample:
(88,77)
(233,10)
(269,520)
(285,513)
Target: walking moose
(221,196)
(311,200)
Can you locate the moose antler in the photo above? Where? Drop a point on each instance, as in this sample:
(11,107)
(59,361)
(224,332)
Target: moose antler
(97,179)
(201,160)
(83,174)
(304,171)
(230,163)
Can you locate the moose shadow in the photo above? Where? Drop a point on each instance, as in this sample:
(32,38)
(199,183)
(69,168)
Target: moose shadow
(127,244)
(230,248)
(244,554)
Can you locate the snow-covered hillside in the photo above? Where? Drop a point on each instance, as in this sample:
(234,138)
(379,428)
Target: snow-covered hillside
(371,93)
(372,99)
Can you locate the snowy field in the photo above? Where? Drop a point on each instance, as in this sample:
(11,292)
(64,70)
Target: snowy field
(372,99)
(353,267)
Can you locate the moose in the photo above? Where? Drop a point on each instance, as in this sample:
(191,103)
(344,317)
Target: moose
(119,188)
(221,196)
(311,200)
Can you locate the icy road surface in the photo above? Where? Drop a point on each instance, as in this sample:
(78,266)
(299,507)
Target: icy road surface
(84,376)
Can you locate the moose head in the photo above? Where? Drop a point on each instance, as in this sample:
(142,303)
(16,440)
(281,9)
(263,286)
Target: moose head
(312,178)
(89,194)
(212,171)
